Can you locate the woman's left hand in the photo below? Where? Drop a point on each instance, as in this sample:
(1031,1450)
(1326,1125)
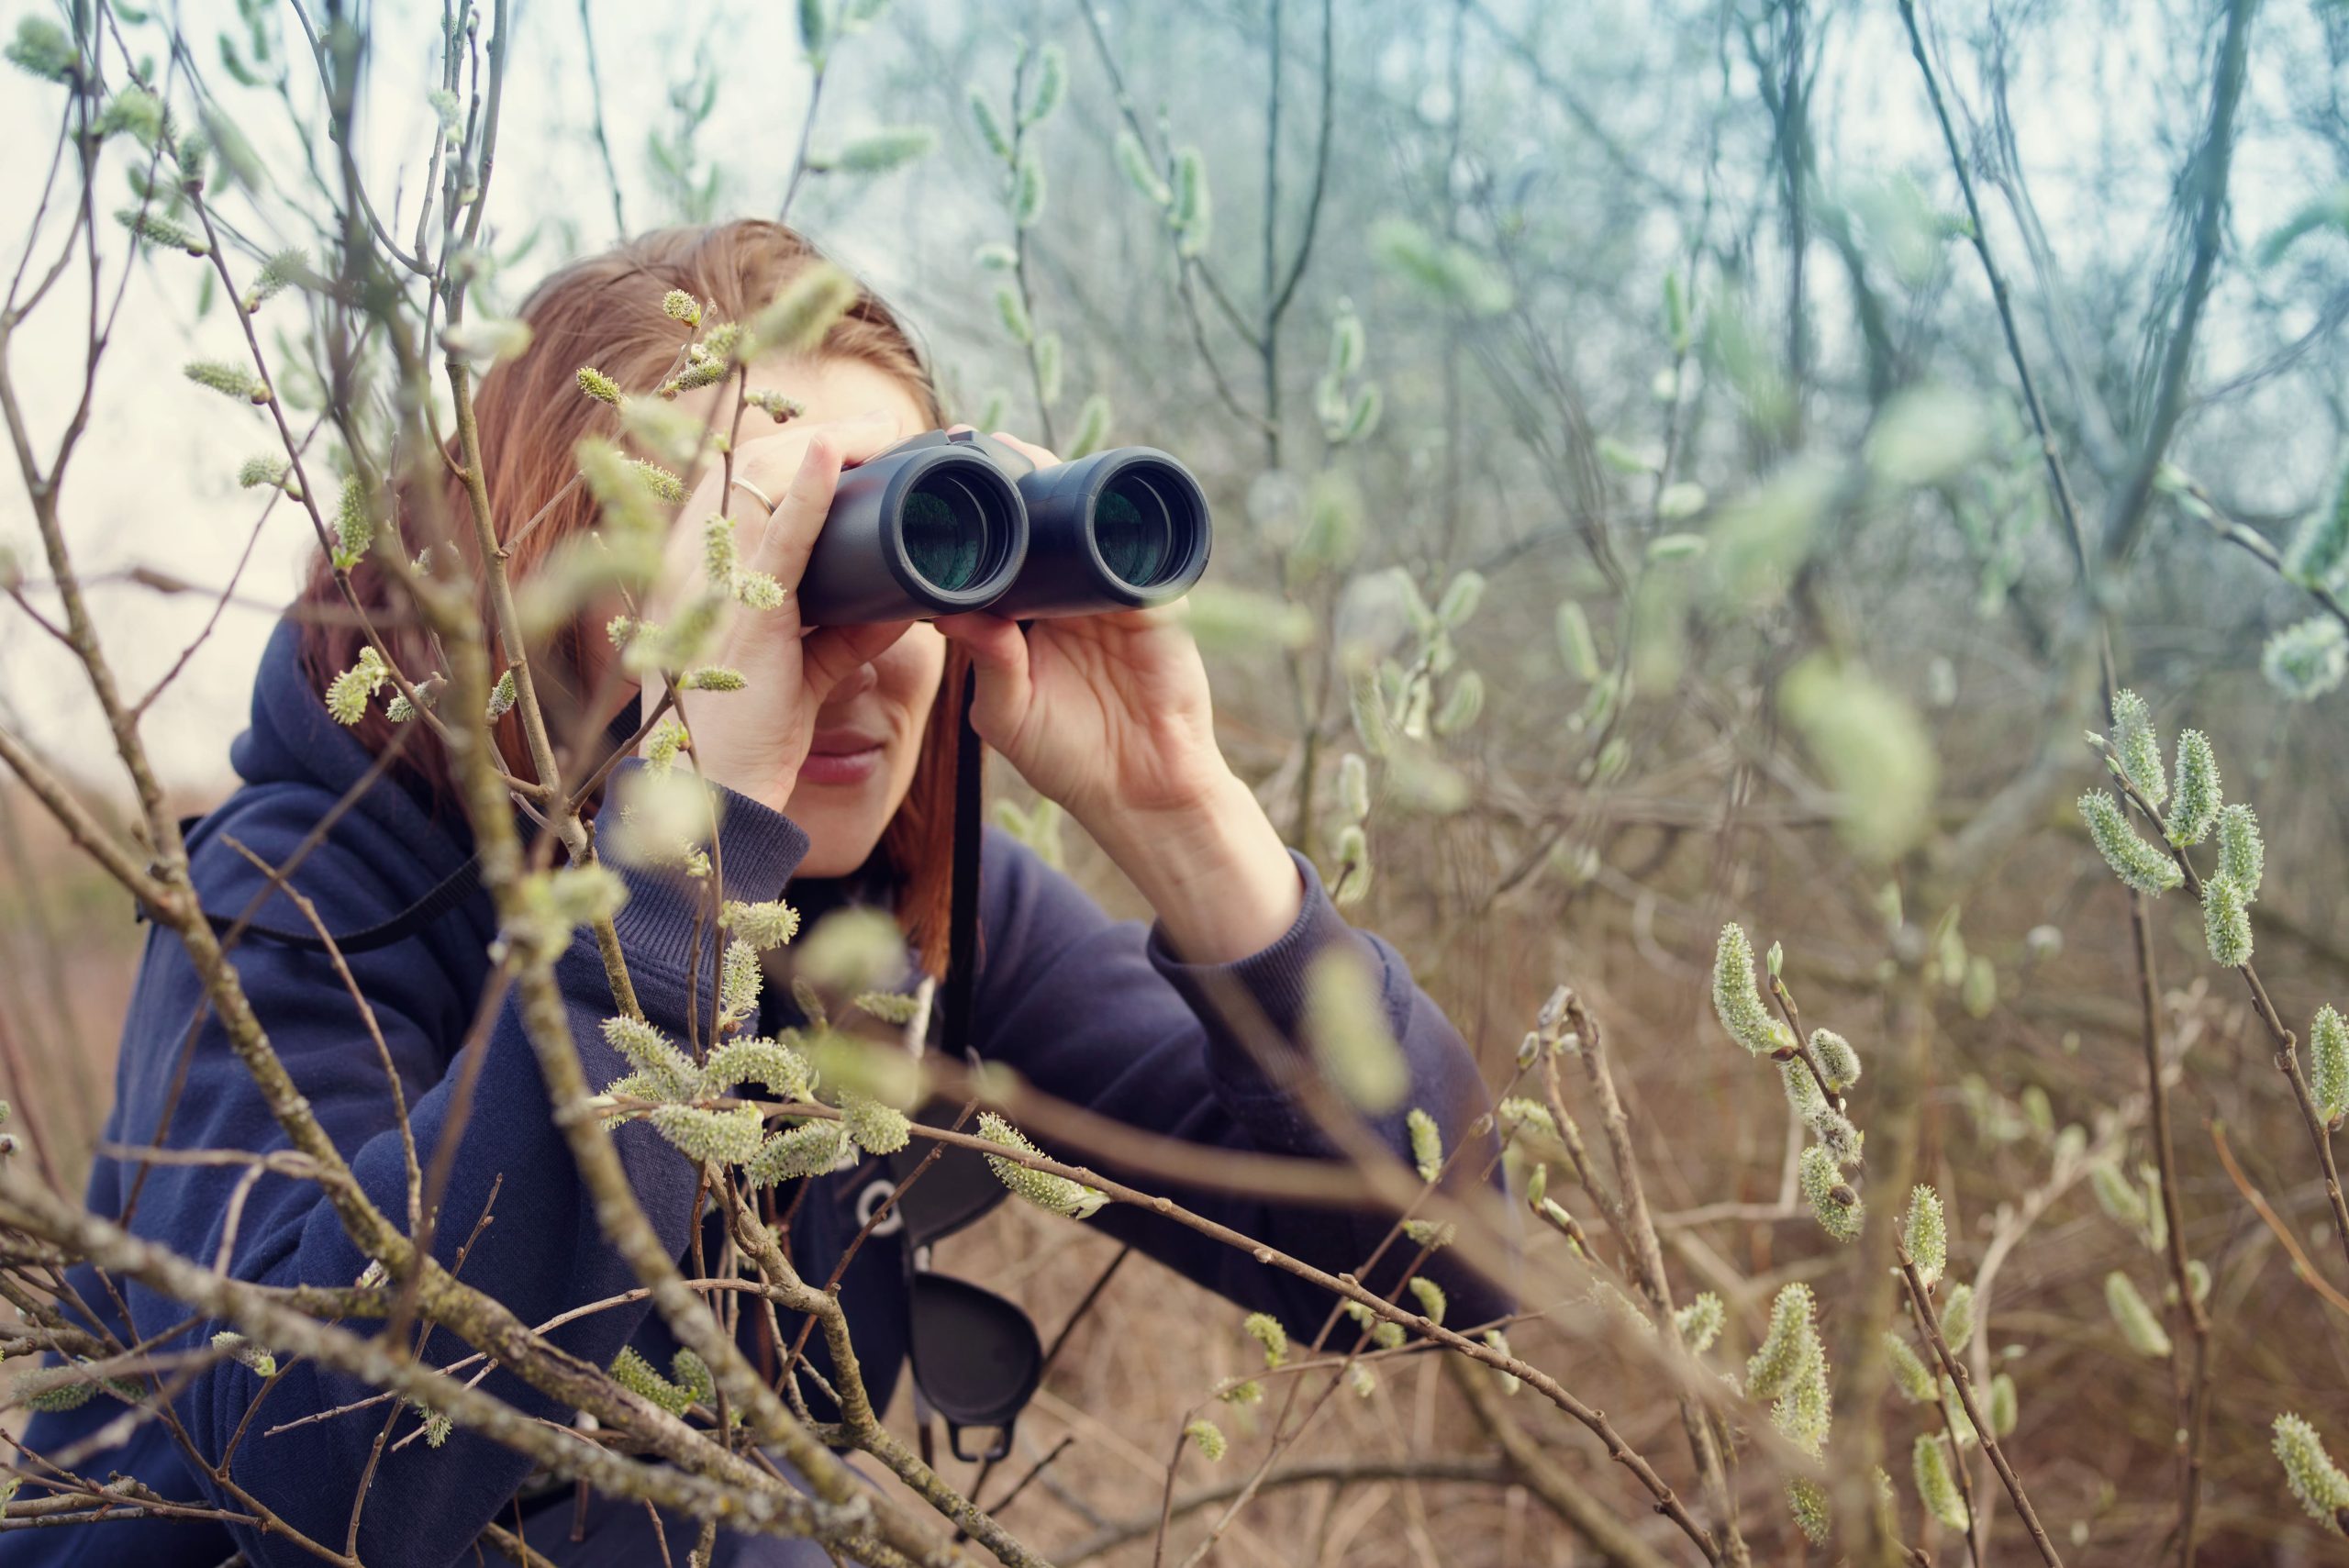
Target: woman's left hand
(1109,716)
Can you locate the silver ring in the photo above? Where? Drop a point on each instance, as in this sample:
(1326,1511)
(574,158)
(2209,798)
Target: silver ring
(758,494)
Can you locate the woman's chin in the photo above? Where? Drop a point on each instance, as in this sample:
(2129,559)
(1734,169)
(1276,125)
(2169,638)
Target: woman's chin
(842,825)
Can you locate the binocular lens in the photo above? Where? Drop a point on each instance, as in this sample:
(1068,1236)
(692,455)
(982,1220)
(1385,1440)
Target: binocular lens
(1133,525)
(954,536)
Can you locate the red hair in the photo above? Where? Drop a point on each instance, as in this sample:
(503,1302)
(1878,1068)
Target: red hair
(605,311)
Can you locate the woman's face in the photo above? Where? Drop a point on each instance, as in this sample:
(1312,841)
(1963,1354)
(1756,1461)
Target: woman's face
(868,733)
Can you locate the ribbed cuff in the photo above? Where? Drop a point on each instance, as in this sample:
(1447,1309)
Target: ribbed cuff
(1273,978)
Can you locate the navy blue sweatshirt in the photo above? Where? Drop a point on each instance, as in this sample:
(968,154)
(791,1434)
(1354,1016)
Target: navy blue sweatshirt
(1097,1013)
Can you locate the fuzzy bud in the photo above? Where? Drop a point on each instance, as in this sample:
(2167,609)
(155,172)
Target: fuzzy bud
(1790,1351)
(1807,1502)
(1937,1484)
(1700,1322)
(1207,1437)
(1266,1331)
(1352,1040)
(2242,857)
(1925,1234)
(2329,1072)
(2199,795)
(1957,1317)
(1060,1194)
(2314,1479)
(1738,1001)
(721,1138)
(1431,1297)
(2137,746)
(348,694)
(873,1127)
(2005,1406)
(2137,864)
(1427,1145)
(1836,1055)
(2226,922)
(2139,1324)
(598,385)
(1908,1373)
(763,924)
(228,378)
(2307,659)
(261,1363)
(808,1150)
(679,305)
(1837,1209)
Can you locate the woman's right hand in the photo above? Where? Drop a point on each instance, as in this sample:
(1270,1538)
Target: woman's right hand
(753,740)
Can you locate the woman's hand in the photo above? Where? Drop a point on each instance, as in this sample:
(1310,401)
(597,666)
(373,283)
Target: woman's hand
(1109,716)
(753,740)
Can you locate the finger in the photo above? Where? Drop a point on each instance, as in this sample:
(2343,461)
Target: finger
(830,655)
(999,649)
(1027,450)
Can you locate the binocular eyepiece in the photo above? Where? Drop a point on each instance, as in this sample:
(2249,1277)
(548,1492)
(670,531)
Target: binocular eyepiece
(944,523)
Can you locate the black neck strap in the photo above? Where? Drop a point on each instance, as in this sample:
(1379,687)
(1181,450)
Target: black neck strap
(962,916)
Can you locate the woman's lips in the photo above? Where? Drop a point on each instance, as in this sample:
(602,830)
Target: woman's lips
(840,757)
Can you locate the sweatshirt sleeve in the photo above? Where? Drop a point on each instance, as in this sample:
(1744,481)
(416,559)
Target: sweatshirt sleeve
(539,1249)
(1105,1015)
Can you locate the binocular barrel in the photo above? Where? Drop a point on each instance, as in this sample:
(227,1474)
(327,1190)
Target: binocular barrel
(943,523)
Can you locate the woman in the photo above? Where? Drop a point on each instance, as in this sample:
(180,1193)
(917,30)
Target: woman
(836,769)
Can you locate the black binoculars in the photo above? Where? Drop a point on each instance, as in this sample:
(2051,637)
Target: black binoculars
(953,521)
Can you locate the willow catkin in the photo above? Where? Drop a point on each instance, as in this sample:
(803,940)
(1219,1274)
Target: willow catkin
(2137,864)
(2138,746)
(2314,1479)
(2200,797)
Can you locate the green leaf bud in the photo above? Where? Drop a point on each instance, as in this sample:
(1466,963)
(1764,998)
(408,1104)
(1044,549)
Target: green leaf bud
(784,1072)
(2226,922)
(1192,213)
(1837,1209)
(808,1150)
(2243,856)
(228,378)
(648,1050)
(261,1363)
(1136,164)
(1059,1194)
(1051,85)
(1937,1484)
(2318,552)
(2138,746)
(1790,1351)
(1461,598)
(1266,1331)
(2004,1409)
(722,1137)
(1347,1029)
(1700,1322)
(598,385)
(1426,1143)
(2307,659)
(1092,428)
(1461,704)
(2329,1070)
(1807,1502)
(810,305)
(1957,1317)
(43,48)
(990,124)
(1925,1235)
(2199,797)
(770,924)
(873,1127)
(1738,1001)
(2139,1326)
(348,694)
(892,147)
(1575,644)
(1014,315)
(2314,1479)
(1836,1055)
(1908,1373)
(1027,189)
(2137,864)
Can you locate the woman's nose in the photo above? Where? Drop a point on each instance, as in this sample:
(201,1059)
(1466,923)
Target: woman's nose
(862,679)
